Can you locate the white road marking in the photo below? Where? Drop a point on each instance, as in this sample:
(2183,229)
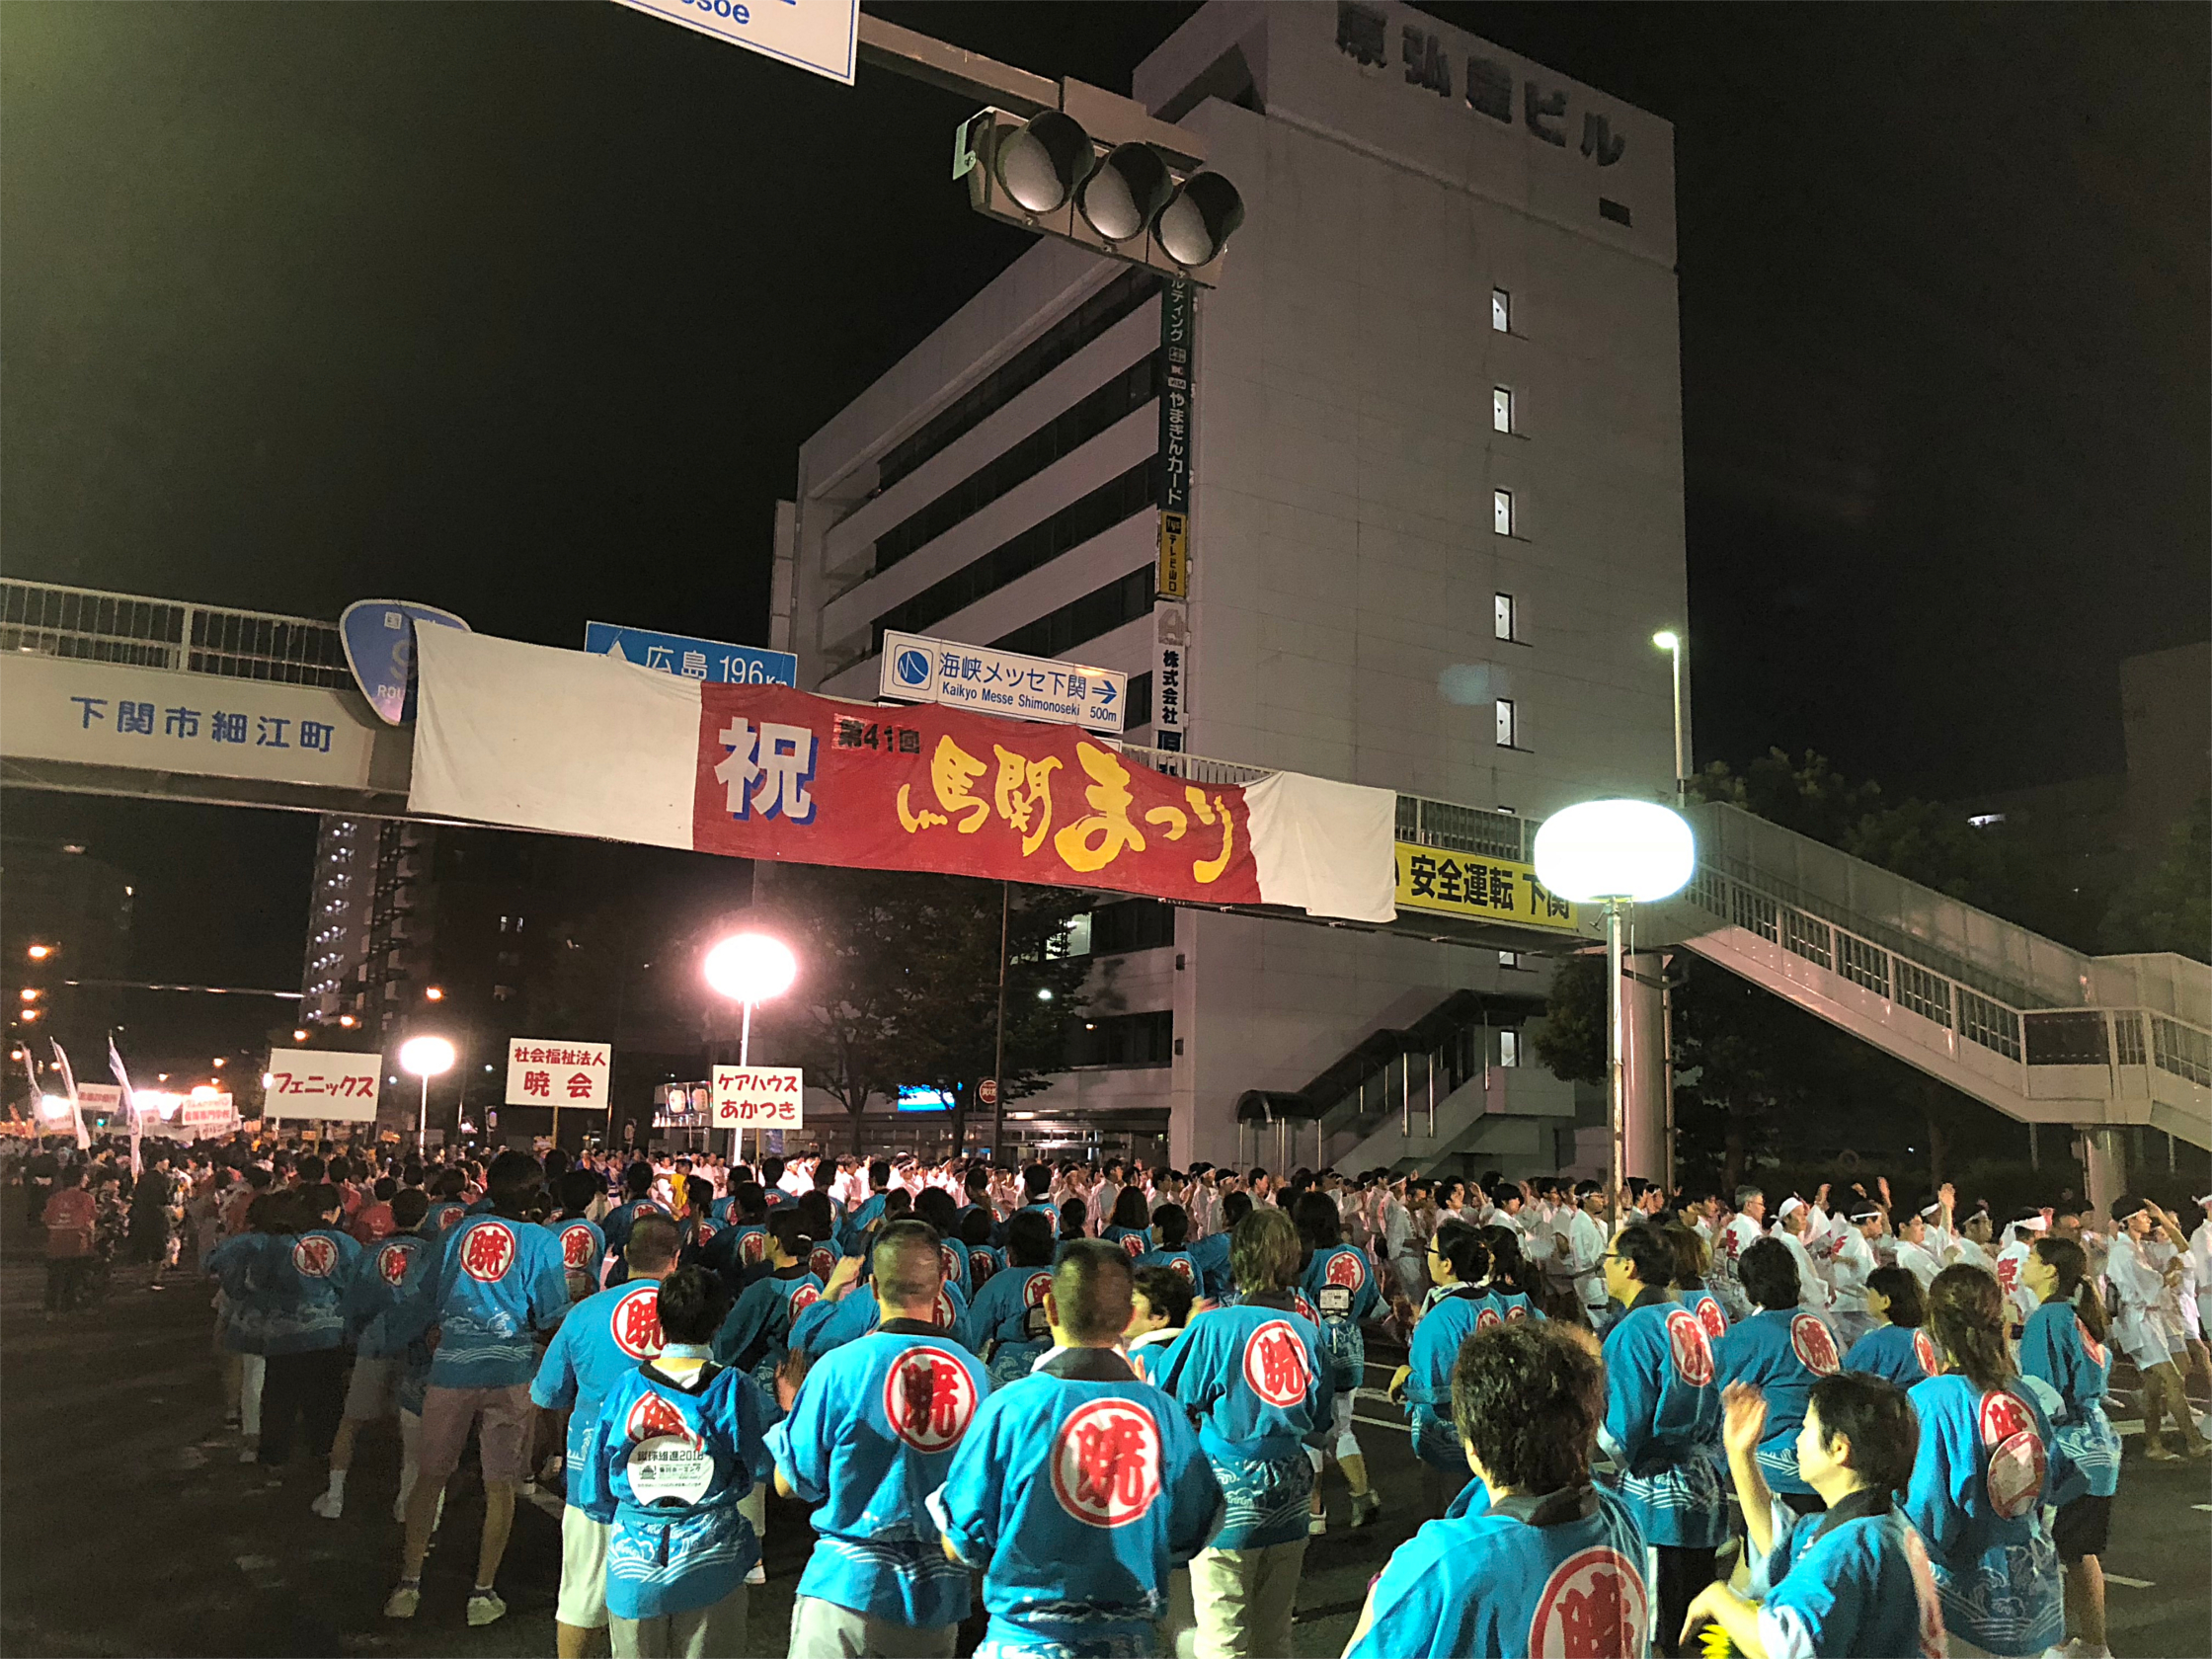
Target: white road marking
(1385,1423)
(2207,1508)
(2130,1583)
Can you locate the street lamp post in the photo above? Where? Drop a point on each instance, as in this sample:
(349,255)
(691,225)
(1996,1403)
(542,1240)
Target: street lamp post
(427,1058)
(749,968)
(1667,640)
(1615,854)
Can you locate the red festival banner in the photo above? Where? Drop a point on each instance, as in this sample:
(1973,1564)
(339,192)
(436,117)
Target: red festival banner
(785,774)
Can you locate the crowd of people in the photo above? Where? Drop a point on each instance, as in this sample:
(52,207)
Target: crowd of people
(1835,1425)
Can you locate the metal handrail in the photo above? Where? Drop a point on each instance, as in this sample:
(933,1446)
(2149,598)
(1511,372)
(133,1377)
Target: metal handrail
(54,619)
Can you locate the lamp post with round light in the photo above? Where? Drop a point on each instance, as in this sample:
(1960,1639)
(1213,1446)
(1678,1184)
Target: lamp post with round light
(426,1058)
(1615,853)
(749,968)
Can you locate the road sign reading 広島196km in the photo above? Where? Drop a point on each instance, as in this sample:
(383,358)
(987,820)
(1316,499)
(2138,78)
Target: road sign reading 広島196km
(710,661)
(817,34)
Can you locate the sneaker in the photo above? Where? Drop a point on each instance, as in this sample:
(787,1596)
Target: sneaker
(485,1607)
(2199,1449)
(554,1468)
(1317,1525)
(329,1505)
(405,1599)
(2162,1454)
(757,1573)
(1366,1506)
(249,1452)
(232,1420)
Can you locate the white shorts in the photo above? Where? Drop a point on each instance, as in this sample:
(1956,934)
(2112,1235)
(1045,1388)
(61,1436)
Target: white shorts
(372,1392)
(583,1599)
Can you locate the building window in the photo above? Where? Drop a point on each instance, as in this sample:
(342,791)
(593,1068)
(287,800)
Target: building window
(1509,1048)
(1507,725)
(1501,511)
(1123,1040)
(1134,924)
(1501,409)
(1099,612)
(1501,311)
(1137,708)
(1509,959)
(1506,620)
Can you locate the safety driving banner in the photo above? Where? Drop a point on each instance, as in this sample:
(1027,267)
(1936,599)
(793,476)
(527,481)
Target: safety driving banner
(553,739)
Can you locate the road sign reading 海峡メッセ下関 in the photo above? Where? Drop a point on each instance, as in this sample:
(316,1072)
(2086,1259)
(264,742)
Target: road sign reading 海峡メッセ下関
(711,661)
(916,668)
(816,34)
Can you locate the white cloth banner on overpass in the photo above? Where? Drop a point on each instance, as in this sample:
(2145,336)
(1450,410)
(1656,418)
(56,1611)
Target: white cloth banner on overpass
(544,738)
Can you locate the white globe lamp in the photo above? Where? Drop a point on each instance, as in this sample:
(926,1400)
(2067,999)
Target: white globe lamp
(749,968)
(426,1058)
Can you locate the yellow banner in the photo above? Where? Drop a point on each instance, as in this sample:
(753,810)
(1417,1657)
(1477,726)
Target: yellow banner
(1173,578)
(1476,888)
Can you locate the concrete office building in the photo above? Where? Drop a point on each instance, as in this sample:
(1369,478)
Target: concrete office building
(1436,515)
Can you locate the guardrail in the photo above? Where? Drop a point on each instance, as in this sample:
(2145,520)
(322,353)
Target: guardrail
(53,620)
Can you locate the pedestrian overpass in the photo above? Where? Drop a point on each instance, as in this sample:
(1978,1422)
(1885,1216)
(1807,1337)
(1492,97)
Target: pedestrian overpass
(2040,1032)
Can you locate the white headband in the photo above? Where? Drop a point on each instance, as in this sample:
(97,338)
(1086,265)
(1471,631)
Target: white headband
(1790,1207)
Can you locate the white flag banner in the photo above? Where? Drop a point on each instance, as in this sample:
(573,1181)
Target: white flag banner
(1325,847)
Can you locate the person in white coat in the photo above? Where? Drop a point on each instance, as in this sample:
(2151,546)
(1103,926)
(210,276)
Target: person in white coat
(1914,1253)
(1580,1258)
(1746,1227)
(2200,1258)
(2141,1330)
(1813,1289)
(1854,1259)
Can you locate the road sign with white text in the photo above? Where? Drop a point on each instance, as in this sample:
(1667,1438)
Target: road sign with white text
(693,658)
(543,1072)
(758,1097)
(816,34)
(919,669)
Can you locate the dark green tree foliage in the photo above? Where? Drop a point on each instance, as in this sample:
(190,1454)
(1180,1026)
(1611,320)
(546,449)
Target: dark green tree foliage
(2169,907)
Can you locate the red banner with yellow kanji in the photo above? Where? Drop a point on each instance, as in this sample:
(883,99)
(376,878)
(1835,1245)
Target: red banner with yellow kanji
(785,774)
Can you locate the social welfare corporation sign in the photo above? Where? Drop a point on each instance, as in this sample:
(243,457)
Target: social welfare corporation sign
(816,34)
(758,1097)
(541,1071)
(320,1083)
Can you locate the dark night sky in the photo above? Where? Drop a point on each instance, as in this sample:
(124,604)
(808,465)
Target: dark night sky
(523,310)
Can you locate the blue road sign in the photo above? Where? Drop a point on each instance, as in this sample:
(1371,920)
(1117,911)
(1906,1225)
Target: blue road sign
(379,640)
(693,659)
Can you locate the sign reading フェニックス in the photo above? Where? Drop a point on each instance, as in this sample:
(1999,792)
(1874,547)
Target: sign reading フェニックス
(816,34)
(916,668)
(1478,888)
(110,714)
(758,1097)
(542,1071)
(706,659)
(323,1084)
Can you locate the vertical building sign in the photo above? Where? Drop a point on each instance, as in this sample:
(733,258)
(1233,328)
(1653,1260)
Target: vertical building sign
(1173,581)
(1170,677)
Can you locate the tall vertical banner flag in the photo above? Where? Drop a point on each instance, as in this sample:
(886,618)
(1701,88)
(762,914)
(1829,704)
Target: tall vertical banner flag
(1177,310)
(129,1103)
(68,1083)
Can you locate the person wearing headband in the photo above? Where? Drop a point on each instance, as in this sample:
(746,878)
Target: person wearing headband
(1912,1252)
(1794,1232)
(1852,1261)
(2141,1328)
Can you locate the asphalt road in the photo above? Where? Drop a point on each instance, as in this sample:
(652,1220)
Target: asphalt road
(129,1526)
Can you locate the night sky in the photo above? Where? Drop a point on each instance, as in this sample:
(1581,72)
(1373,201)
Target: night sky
(524,309)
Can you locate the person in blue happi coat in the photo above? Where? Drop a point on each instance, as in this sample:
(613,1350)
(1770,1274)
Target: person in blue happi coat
(1171,1248)
(1130,1226)
(1851,1580)
(2066,1346)
(871,1434)
(1339,1286)
(1662,1424)
(1210,1255)
(1078,1491)
(757,1335)
(1457,1303)
(1988,1465)
(847,1311)
(1006,1323)
(1159,1309)
(600,1342)
(1781,1349)
(979,1232)
(1532,1556)
(1253,1377)
(852,1233)
(1898,1349)
(675,1446)
(637,1201)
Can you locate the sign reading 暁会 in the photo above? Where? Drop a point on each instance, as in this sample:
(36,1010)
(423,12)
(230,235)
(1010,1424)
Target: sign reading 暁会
(758,1097)
(919,669)
(1478,888)
(816,34)
(543,1072)
(321,1083)
(706,659)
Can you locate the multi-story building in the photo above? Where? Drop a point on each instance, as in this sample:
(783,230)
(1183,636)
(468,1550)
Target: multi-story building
(1436,514)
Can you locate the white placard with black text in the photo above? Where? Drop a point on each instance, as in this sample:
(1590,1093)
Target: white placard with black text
(758,1097)
(323,1084)
(545,1072)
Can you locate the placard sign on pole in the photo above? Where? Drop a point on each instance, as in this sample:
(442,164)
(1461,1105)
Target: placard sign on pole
(206,1118)
(758,1097)
(321,1083)
(541,1071)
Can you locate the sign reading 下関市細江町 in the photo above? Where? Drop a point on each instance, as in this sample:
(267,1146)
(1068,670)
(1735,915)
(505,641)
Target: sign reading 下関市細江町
(693,658)
(919,669)
(379,640)
(816,34)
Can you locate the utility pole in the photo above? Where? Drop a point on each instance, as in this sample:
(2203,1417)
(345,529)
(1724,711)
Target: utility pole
(999,1057)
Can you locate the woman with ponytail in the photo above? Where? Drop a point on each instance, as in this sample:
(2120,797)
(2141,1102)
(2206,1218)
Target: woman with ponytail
(1988,1464)
(2065,1346)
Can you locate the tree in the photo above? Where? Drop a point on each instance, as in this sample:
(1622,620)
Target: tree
(898,982)
(2169,907)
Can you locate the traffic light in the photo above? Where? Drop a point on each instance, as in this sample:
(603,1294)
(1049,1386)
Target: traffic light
(1134,200)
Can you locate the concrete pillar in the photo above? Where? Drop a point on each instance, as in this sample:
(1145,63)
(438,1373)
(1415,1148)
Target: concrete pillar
(1643,1066)
(2104,1163)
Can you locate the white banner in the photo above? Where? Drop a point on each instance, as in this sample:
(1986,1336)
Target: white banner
(100,1097)
(320,1083)
(758,1097)
(919,669)
(543,1072)
(206,1119)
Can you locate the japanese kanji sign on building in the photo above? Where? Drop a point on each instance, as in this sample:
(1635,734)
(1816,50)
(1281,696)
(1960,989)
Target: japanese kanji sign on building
(541,739)
(1477,889)
(318,1083)
(758,1097)
(544,1071)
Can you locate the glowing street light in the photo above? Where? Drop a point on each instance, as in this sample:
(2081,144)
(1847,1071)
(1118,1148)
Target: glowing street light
(39,953)
(1617,853)
(1667,640)
(347,1021)
(300,1036)
(434,993)
(749,968)
(426,1058)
